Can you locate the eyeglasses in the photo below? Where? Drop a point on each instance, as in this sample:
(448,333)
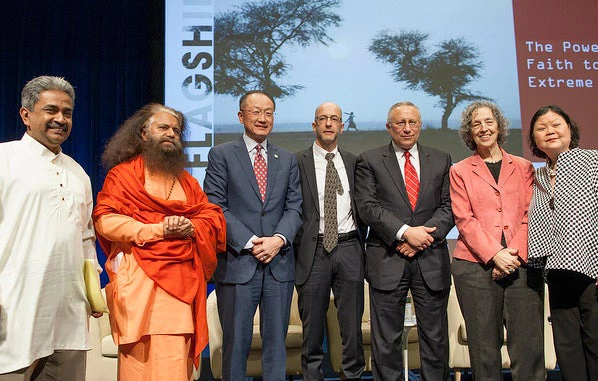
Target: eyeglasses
(403,123)
(256,113)
(324,118)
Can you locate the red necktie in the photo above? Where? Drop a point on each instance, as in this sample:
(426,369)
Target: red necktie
(411,181)
(261,171)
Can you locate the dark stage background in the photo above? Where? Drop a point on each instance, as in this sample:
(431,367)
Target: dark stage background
(110,51)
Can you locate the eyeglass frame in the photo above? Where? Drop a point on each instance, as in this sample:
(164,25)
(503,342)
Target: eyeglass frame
(256,113)
(324,118)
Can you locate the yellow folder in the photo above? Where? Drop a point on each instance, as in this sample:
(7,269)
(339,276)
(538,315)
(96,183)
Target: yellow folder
(93,288)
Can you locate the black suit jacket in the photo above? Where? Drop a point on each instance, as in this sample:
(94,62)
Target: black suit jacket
(383,205)
(307,237)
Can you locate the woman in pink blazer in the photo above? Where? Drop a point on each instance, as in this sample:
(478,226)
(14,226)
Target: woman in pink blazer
(490,195)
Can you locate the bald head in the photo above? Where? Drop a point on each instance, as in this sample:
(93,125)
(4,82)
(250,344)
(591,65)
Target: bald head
(328,106)
(328,125)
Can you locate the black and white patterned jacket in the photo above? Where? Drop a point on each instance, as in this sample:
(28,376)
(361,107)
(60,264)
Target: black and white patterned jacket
(563,227)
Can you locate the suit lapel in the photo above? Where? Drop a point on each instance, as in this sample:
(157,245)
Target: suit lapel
(308,164)
(350,169)
(273,163)
(425,171)
(506,169)
(240,151)
(389,158)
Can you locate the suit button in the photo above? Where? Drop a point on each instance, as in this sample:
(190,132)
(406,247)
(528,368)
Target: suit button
(506,227)
(317,219)
(497,193)
(313,238)
(499,210)
(263,214)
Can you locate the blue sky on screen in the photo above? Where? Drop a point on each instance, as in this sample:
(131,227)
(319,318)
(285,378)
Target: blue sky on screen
(346,73)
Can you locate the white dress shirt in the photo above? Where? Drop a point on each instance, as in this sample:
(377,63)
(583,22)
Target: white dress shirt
(252,151)
(46,231)
(346,222)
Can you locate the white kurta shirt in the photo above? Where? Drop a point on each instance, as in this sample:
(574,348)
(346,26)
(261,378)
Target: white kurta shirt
(46,231)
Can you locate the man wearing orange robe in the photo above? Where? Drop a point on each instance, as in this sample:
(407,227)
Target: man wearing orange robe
(161,235)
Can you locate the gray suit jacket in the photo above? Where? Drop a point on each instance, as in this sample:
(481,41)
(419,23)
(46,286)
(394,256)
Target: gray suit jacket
(383,205)
(230,183)
(307,237)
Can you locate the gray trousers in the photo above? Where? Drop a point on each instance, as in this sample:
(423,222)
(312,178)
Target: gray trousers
(62,365)
(515,302)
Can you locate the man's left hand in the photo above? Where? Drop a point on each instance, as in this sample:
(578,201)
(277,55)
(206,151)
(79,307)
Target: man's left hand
(266,248)
(178,227)
(406,249)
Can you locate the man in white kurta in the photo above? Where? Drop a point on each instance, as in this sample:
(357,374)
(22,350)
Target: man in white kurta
(46,232)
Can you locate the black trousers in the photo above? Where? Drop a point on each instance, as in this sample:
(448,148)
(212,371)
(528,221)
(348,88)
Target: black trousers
(341,271)
(387,310)
(574,311)
(516,302)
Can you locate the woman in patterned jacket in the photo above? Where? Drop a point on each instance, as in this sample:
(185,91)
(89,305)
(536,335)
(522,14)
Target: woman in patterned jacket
(563,233)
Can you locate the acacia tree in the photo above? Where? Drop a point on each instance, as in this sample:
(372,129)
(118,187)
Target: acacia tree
(249,40)
(444,73)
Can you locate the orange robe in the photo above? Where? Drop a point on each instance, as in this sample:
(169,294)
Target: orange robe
(180,267)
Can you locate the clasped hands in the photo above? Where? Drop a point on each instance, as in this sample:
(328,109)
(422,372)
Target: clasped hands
(415,238)
(178,227)
(266,248)
(506,262)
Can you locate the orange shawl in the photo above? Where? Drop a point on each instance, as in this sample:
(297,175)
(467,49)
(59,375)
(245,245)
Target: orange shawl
(180,267)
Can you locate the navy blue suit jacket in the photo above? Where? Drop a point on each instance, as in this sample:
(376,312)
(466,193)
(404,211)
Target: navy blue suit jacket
(230,183)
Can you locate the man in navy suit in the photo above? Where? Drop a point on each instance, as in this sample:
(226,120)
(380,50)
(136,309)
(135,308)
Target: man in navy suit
(257,186)
(339,266)
(402,193)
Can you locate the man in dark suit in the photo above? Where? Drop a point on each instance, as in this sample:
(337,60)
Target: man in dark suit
(324,263)
(402,193)
(257,186)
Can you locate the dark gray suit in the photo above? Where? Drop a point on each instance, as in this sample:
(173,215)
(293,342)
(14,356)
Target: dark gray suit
(317,272)
(242,282)
(383,204)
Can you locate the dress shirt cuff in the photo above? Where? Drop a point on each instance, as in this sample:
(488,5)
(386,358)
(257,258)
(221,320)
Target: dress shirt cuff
(281,237)
(402,231)
(249,243)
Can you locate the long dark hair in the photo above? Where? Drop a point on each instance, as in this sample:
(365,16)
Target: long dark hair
(127,142)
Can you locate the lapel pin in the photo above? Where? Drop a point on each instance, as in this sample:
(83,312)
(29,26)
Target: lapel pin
(276,156)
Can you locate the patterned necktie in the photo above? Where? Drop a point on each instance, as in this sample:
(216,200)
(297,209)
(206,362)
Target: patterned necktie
(332,186)
(411,181)
(261,171)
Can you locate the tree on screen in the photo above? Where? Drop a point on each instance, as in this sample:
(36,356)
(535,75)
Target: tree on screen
(444,73)
(249,42)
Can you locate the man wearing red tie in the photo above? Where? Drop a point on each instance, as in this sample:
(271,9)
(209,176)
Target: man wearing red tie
(256,184)
(402,194)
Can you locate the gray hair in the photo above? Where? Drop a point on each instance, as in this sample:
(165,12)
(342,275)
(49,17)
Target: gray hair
(467,116)
(33,88)
(400,104)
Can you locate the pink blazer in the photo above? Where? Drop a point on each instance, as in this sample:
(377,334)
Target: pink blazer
(483,209)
